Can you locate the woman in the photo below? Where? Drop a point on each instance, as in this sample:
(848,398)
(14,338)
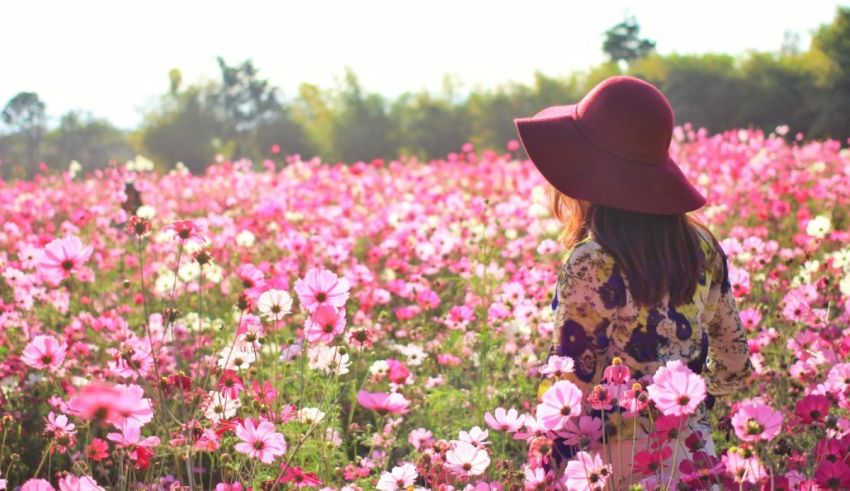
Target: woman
(644,282)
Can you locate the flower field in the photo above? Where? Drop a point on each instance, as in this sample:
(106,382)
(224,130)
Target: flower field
(385,325)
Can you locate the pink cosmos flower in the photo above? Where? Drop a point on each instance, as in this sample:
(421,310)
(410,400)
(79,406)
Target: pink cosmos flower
(131,437)
(59,426)
(557,366)
(83,483)
(117,404)
(260,441)
(585,473)
(383,403)
(274,304)
(754,421)
(560,402)
(743,469)
(324,324)
(537,478)
(184,230)
(44,352)
(617,373)
(400,478)
(676,389)
(465,459)
(322,287)
(63,257)
(420,438)
(37,485)
(509,421)
(584,432)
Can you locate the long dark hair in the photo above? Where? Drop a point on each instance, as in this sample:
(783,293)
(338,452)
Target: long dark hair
(659,254)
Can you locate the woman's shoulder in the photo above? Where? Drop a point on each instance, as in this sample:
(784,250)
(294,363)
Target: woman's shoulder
(587,256)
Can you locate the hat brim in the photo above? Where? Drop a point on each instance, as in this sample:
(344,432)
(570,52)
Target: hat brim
(579,168)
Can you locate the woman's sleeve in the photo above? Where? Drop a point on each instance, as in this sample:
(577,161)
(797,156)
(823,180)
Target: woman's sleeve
(588,295)
(728,364)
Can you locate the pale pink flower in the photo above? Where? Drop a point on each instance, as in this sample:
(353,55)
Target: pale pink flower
(117,404)
(509,421)
(260,441)
(537,478)
(383,403)
(44,352)
(420,438)
(475,436)
(131,437)
(274,304)
(754,421)
(743,469)
(37,485)
(322,287)
(585,473)
(401,477)
(465,459)
(83,483)
(59,425)
(63,257)
(560,402)
(324,324)
(557,366)
(676,390)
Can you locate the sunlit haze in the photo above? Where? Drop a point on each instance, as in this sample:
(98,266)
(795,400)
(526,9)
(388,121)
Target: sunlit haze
(112,58)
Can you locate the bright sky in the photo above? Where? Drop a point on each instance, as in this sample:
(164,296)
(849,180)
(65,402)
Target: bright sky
(112,57)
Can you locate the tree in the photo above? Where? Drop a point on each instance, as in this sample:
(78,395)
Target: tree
(623,42)
(90,141)
(25,114)
(833,41)
(246,102)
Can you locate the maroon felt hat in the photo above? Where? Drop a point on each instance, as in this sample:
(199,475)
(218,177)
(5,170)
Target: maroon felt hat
(612,148)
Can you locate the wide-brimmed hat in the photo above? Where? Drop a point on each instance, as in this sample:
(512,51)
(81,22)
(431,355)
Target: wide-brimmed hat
(612,148)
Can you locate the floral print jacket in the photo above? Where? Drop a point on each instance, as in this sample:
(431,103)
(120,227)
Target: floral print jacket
(598,319)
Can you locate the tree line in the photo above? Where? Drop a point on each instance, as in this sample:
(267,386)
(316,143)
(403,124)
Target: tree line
(240,114)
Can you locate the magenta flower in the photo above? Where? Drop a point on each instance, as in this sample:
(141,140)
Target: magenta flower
(322,287)
(676,389)
(44,352)
(560,402)
(585,473)
(833,475)
(813,408)
(261,441)
(754,421)
(324,324)
(509,421)
(383,403)
(62,258)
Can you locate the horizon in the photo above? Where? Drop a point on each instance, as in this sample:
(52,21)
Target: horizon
(130,69)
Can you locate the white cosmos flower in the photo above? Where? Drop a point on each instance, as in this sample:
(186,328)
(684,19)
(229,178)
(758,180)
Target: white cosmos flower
(274,304)
(400,478)
(327,359)
(245,238)
(220,406)
(239,356)
(819,226)
(310,415)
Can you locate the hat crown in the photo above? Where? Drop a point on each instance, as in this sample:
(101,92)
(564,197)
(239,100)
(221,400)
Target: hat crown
(628,117)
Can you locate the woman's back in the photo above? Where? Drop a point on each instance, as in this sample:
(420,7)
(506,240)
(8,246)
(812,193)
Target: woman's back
(599,320)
